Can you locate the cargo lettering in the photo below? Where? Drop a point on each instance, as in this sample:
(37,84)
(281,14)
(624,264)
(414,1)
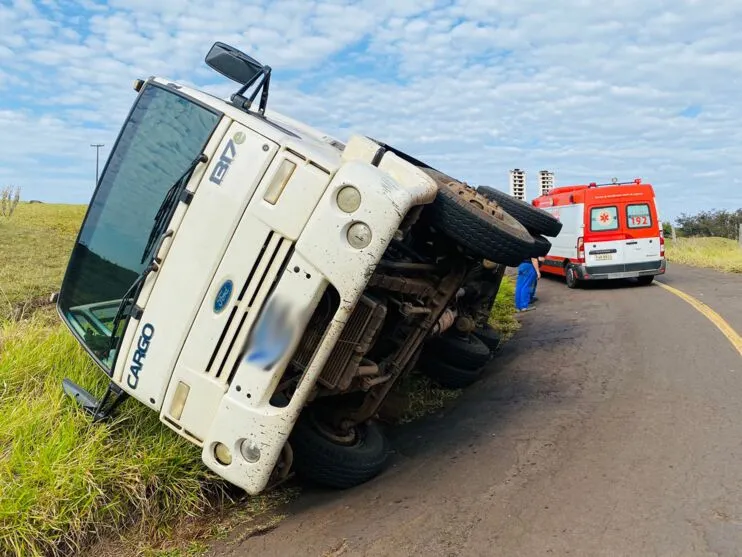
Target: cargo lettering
(137,361)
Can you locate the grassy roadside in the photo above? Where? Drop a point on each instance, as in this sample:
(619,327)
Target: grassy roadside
(34,247)
(65,479)
(65,482)
(502,316)
(721,254)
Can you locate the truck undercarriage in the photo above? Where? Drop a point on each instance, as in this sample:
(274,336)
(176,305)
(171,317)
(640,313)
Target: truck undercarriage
(428,286)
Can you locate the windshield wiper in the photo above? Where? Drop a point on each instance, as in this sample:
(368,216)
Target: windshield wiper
(167,207)
(156,237)
(130,296)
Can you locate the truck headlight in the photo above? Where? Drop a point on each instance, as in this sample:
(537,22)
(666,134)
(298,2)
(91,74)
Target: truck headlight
(348,199)
(222,454)
(250,450)
(359,235)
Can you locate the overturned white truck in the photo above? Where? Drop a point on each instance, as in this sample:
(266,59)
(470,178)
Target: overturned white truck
(262,286)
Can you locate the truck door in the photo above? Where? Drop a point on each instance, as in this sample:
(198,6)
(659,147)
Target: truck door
(604,242)
(642,233)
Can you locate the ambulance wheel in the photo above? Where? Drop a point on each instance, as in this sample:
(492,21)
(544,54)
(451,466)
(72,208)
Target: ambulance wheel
(478,224)
(334,459)
(534,219)
(645,280)
(571,275)
(541,246)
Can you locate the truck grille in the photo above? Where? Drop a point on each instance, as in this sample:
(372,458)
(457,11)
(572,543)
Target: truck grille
(260,282)
(355,340)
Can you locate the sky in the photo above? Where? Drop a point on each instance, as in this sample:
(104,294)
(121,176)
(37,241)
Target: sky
(589,90)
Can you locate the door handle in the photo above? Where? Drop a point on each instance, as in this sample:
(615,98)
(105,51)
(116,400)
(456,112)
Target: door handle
(157,259)
(631,243)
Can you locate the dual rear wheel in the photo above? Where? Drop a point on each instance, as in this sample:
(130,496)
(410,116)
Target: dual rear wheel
(456,360)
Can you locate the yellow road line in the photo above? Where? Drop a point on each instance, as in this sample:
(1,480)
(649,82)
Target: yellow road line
(710,314)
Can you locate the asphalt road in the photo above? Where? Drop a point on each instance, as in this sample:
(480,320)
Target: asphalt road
(611,425)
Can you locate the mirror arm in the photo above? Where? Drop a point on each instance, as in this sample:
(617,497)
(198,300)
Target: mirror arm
(247,85)
(262,85)
(264,95)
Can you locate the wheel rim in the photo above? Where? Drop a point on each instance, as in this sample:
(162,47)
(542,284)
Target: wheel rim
(477,200)
(339,438)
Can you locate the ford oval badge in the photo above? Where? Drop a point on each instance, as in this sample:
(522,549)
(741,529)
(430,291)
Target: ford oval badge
(223,296)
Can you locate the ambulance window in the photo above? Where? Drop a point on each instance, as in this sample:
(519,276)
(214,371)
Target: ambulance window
(603,218)
(638,216)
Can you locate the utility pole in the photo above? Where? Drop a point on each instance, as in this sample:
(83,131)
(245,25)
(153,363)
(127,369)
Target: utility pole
(97,151)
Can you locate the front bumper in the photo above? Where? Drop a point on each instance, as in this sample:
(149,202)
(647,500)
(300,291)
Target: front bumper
(631,270)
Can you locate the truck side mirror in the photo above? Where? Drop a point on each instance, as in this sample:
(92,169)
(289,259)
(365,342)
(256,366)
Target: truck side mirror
(234,64)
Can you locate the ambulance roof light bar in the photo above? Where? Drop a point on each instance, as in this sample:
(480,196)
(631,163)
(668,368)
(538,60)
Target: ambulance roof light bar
(615,183)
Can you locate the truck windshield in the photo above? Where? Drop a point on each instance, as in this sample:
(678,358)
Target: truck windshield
(164,133)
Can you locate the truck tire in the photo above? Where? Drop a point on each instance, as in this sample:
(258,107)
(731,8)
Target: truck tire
(646,280)
(536,220)
(477,224)
(541,246)
(336,463)
(466,352)
(449,376)
(490,337)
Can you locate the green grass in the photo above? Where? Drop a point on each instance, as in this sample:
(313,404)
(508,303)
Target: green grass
(419,396)
(35,244)
(715,253)
(502,316)
(65,479)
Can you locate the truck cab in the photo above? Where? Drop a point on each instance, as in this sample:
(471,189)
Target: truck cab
(262,286)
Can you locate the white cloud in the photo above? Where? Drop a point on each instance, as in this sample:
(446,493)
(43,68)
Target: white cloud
(590,91)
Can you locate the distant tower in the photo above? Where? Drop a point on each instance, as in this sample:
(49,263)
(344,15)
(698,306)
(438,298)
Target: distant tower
(545,181)
(518,183)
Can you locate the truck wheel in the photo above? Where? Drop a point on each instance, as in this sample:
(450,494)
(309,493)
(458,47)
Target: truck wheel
(477,224)
(490,337)
(337,461)
(571,274)
(463,351)
(541,246)
(645,280)
(536,220)
(449,376)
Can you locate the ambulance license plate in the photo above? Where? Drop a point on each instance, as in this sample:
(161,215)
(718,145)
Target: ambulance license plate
(604,257)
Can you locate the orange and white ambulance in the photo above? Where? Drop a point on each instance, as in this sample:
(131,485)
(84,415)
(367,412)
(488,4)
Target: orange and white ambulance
(609,231)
